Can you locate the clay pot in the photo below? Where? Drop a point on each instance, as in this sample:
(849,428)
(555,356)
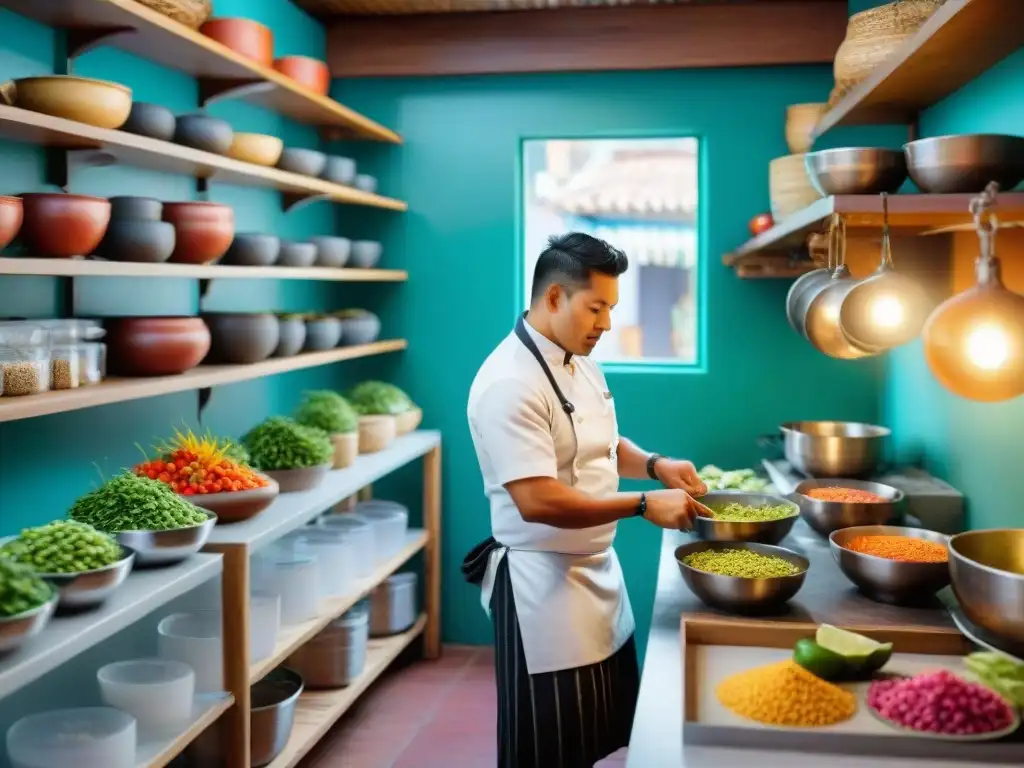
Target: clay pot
(339,170)
(242,338)
(10,219)
(346,448)
(244,36)
(366,183)
(128,207)
(150,120)
(332,251)
(63,226)
(209,134)
(322,333)
(256,148)
(358,326)
(292,335)
(139,240)
(95,102)
(309,73)
(308,162)
(365,254)
(155,346)
(296,254)
(253,250)
(204,231)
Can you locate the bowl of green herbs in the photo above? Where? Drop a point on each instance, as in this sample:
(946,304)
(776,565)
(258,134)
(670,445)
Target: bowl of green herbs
(756,517)
(297,456)
(27,603)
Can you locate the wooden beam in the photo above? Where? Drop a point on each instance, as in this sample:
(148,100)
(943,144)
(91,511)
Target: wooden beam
(587,39)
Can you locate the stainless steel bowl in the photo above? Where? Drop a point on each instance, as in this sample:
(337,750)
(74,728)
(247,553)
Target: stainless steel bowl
(272,714)
(833,448)
(890,581)
(167,547)
(800,295)
(987,570)
(766,532)
(965,163)
(736,594)
(856,170)
(15,630)
(88,589)
(828,516)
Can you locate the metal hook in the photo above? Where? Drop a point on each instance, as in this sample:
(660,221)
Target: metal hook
(985,219)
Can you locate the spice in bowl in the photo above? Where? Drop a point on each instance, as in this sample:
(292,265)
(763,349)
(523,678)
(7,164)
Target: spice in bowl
(193,465)
(743,563)
(742,513)
(132,503)
(63,546)
(785,694)
(845,495)
(906,549)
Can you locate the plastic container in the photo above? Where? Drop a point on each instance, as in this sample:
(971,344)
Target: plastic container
(361,532)
(156,692)
(92,359)
(26,371)
(296,579)
(87,737)
(393,605)
(264,623)
(335,553)
(390,521)
(69,331)
(21,334)
(65,366)
(336,656)
(195,639)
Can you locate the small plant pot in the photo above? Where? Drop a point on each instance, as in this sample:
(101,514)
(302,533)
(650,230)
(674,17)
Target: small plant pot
(295,480)
(408,421)
(376,433)
(346,448)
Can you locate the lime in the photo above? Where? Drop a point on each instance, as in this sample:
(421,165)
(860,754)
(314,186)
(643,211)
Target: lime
(819,661)
(862,653)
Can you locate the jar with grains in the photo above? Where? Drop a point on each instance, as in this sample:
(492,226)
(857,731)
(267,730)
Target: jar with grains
(19,334)
(25,371)
(65,366)
(92,361)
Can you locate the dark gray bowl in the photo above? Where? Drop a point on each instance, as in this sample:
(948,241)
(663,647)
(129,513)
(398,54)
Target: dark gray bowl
(965,163)
(204,132)
(359,328)
(296,254)
(308,162)
(150,120)
(253,250)
(332,251)
(366,182)
(127,207)
(340,170)
(138,240)
(292,336)
(242,338)
(322,333)
(365,254)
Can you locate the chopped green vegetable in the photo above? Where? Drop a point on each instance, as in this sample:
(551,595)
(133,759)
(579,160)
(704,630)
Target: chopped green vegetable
(63,546)
(742,513)
(717,479)
(282,443)
(328,411)
(21,588)
(376,398)
(1000,673)
(130,502)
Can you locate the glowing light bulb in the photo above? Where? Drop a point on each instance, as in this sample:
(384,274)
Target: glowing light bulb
(887,312)
(988,347)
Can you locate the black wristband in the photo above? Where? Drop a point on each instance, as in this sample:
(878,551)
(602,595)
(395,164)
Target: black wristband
(651,460)
(641,508)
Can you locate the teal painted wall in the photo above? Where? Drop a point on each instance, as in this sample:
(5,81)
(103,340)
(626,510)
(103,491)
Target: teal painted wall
(459,171)
(972,445)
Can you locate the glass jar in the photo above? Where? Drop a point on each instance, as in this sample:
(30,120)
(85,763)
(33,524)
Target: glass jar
(18,334)
(71,330)
(26,371)
(65,366)
(92,360)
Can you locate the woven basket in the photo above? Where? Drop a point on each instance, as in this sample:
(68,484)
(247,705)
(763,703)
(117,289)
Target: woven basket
(191,13)
(408,421)
(800,122)
(874,35)
(376,433)
(789,187)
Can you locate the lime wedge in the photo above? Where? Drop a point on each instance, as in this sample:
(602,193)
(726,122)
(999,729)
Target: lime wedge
(860,651)
(821,662)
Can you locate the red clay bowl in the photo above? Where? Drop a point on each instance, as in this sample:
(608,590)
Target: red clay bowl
(155,346)
(63,226)
(203,231)
(309,73)
(244,36)
(10,219)
(236,506)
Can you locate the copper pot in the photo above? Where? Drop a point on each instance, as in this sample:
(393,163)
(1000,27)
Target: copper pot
(156,346)
(10,219)
(309,73)
(63,226)
(204,231)
(249,38)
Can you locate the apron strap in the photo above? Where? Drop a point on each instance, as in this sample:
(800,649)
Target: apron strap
(530,345)
(474,565)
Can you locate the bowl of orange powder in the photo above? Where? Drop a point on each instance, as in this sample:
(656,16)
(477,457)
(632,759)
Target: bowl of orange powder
(828,505)
(892,564)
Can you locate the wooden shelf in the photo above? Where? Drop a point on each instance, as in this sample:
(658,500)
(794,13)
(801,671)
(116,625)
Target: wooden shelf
(962,39)
(89,268)
(137,29)
(144,152)
(291,638)
(317,711)
(120,390)
(206,710)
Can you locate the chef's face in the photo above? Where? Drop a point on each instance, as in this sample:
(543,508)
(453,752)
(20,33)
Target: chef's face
(581,316)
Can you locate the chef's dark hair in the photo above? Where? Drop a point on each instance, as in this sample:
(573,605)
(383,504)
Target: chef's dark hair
(569,259)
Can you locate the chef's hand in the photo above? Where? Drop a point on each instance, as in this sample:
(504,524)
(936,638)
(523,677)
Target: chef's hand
(676,473)
(674,509)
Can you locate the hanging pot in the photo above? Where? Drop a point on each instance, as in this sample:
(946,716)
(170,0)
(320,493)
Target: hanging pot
(822,319)
(802,294)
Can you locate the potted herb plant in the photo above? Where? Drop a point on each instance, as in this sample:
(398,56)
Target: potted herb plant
(298,457)
(380,399)
(333,414)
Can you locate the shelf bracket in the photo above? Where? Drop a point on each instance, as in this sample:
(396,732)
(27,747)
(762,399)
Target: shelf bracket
(69,297)
(204,287)
(60,162)
(81,40)
(212,90)
(339,133)
(202,185)
(291,201)
(203,400)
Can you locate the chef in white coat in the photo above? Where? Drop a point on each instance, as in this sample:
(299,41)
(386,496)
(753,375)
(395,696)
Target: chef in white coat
(544,427)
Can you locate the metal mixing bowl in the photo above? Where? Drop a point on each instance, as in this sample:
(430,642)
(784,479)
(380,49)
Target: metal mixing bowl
(987,570)
(856,170)
(272,714)
(828,516)
(15,630)
(890,581)
(90,588)
(734,593)
(965,163)
(167,547)
(833,448)
(766,532)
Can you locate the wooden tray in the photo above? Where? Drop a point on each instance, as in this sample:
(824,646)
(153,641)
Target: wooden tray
(713,650)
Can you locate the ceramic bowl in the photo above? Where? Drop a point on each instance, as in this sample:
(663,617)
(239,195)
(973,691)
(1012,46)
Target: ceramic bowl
(307,162)
(10,219)
(138,240)
(150,120)
(307,72)
(295,480)
(241,338)
(63,226)
(170,546)
(155,346)
(358,326)
(256,148)
(253,250)
(245,36)
(366,183)
(236,506)
(332,251)
(199,131)
(322,333)
(365,254)
(128,207)
(292,335)
(296,254)
(339,170)
(204,231)
(95,102)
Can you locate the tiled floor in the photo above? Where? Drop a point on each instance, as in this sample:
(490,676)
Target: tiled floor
(426,715)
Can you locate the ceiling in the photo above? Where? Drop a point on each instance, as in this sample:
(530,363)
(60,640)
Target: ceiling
(330,8)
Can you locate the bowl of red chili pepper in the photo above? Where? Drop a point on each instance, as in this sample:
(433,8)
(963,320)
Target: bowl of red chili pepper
(892,564)
(829,505)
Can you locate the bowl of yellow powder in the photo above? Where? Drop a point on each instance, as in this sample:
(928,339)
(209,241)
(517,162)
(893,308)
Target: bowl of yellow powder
(742,577)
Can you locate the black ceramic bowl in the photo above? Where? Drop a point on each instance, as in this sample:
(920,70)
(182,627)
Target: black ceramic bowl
(145,208)
(242,338)
(308,162)
(203,132)
(340,170)
(332,251)
(322,333)
(296,254)
(252,250)
(150,120)
(139,240)
(292,336)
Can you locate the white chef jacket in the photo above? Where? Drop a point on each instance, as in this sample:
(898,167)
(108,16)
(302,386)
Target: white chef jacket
(570,595)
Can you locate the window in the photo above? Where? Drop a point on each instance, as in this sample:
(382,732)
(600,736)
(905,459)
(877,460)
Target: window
(640,195)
